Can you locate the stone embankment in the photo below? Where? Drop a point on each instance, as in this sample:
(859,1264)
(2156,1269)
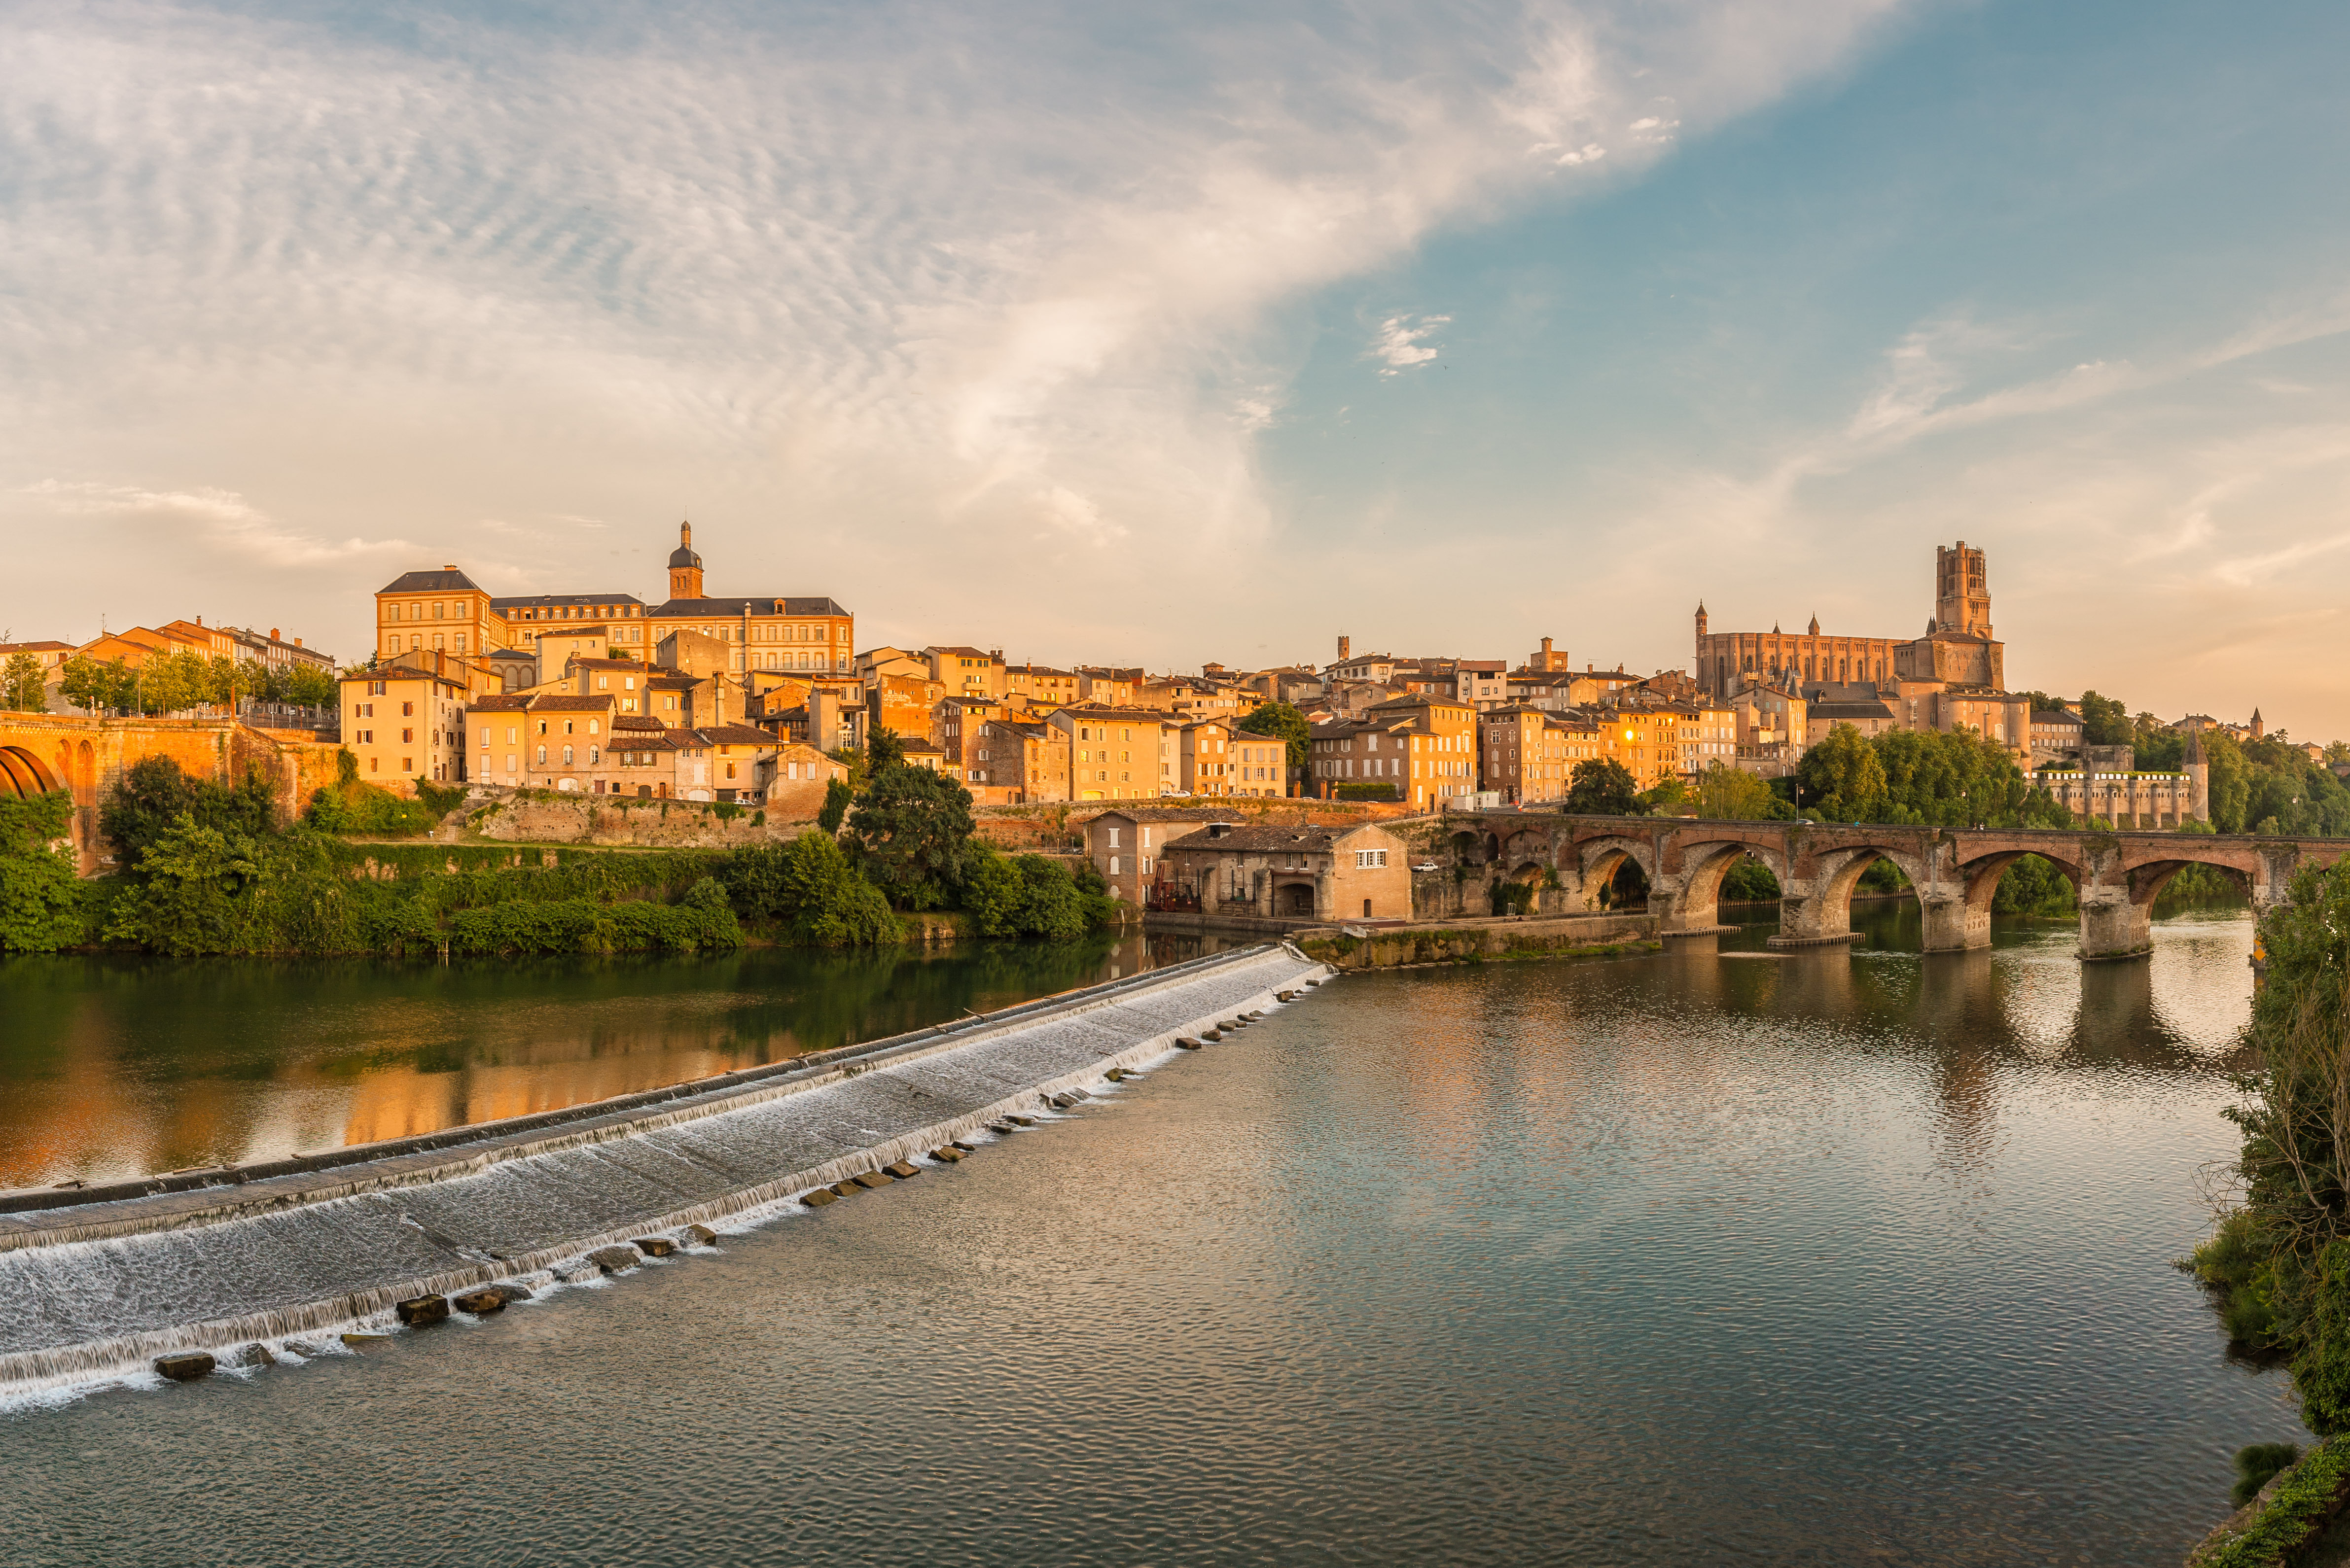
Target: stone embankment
(178,1275)
(539,816)
(1487,940)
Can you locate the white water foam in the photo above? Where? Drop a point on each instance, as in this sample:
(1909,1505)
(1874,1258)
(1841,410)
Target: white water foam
(95,1304)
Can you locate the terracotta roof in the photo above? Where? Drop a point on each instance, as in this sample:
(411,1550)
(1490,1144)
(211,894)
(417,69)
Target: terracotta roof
(1265,840)
(498,705)
(557,704)
(737,735)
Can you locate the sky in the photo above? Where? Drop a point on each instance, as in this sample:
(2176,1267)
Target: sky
(1125,336)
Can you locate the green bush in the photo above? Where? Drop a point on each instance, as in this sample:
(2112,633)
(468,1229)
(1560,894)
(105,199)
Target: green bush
(1358,790)
(2257,1464)
(354,807)
(1035,896)
(2299,1508)
(41,902)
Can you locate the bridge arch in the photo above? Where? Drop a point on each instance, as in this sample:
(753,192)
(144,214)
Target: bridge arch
(1817,908)
(1706,862)
(23,774)
(1599,860)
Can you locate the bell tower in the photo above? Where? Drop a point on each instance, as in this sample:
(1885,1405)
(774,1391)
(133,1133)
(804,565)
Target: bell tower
(684,566)
(1961,591)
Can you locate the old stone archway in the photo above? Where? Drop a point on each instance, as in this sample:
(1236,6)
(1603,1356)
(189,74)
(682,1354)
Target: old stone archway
(1295,899)
(1600,860)
(1816,905)
(23,774)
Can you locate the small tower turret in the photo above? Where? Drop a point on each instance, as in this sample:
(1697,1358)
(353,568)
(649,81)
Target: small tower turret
(684,566)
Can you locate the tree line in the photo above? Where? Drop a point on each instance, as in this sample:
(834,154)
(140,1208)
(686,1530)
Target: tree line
(208,868)
(168,683)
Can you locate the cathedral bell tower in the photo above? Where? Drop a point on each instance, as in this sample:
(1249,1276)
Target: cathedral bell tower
(684,566)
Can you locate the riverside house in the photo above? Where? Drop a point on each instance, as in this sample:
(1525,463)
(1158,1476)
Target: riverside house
(1285,872)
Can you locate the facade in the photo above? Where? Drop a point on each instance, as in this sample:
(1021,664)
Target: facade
(1124,844)
(967,671)
(1426,747)
(1361,873)
(1025,760)
(1826,707)
(1527,754)
(2055,735)
(1480,684)
(402,723)
(1114,752)
(1042,686)
(1773,727)
(1959,647)
(1213,757)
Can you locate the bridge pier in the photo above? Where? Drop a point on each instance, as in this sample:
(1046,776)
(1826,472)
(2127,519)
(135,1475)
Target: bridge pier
(1951,923)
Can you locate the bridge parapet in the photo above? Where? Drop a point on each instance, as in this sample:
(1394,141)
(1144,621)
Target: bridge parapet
(2117,875)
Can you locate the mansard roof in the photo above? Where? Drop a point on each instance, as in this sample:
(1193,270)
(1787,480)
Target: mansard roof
(449,579)
(534,601)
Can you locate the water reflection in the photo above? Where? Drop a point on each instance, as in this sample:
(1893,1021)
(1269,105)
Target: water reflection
(112,1067)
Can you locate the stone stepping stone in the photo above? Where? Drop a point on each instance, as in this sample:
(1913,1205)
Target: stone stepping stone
(418,1312)
(186,1367)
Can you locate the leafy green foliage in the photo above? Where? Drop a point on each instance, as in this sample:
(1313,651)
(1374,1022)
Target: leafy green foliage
(41,906)
(1921,778)
(2105,721)
(912,828)
(366,810)
(1750,882)
(2034,886)
(1725,793)
(1283,720)
(1364,789)
(155,794)
(2257,1464)
(440,799)
(2287,1247)
(1667,798)
(2301,1505)
(21,683)
(1602,786)
(1035,896)
(837,797)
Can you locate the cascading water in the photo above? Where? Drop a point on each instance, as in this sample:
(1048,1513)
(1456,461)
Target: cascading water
(92,1291)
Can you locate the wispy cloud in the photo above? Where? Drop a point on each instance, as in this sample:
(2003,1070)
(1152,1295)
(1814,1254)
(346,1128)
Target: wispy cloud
(1401,342)
(917,288)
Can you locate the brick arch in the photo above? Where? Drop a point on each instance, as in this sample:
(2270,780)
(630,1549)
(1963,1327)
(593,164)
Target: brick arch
(1597,858)
(1707,862)
(2148,878)
(1981,875)
(1836,877)
(23,774)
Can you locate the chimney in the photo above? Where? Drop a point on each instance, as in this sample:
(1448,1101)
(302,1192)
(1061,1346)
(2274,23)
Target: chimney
(200,620)
(1346,646)
(448,565)
(297,642)
(272,633)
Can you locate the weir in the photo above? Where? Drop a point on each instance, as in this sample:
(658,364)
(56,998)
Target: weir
(93,1289)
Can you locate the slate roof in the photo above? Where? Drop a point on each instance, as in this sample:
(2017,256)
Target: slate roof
(550,601)
(760,604)
(446,581)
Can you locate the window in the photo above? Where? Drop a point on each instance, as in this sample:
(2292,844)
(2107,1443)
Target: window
(1364,859)
(542,756)
(407,710)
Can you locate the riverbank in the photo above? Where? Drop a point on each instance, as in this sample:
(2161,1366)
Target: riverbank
(212,1261)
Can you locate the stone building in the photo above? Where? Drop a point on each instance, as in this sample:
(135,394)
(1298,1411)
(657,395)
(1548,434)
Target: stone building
(1528,756)
(1959,647)
(1114,752)
(448,611)
(1125,844)
(1296,873)
(2105,786)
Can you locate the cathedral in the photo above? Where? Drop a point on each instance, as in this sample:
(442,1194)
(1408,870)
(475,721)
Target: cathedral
(1957,650)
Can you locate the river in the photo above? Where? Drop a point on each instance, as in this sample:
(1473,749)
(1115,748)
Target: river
(1714,1256)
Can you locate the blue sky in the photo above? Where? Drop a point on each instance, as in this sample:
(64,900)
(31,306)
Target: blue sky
(1446,327)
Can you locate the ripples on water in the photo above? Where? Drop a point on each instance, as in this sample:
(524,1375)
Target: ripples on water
(1825,1259)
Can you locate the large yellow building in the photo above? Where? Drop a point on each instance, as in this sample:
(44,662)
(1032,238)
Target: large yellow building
(446,611)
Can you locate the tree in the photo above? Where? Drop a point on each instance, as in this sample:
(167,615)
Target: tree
(912,828)
(1725,793)
(2105,721)
(20,684)
(836,798)
(83,681)
(308,684)
(40,900)
(1666,799)
(154,794)
(1843,778)
(883,749)
(1283,720)
(1603,787)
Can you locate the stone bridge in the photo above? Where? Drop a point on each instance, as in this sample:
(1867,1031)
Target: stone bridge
(42,752)
(1954,871)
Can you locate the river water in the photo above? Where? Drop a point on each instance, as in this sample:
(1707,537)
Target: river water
(1716,1256)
